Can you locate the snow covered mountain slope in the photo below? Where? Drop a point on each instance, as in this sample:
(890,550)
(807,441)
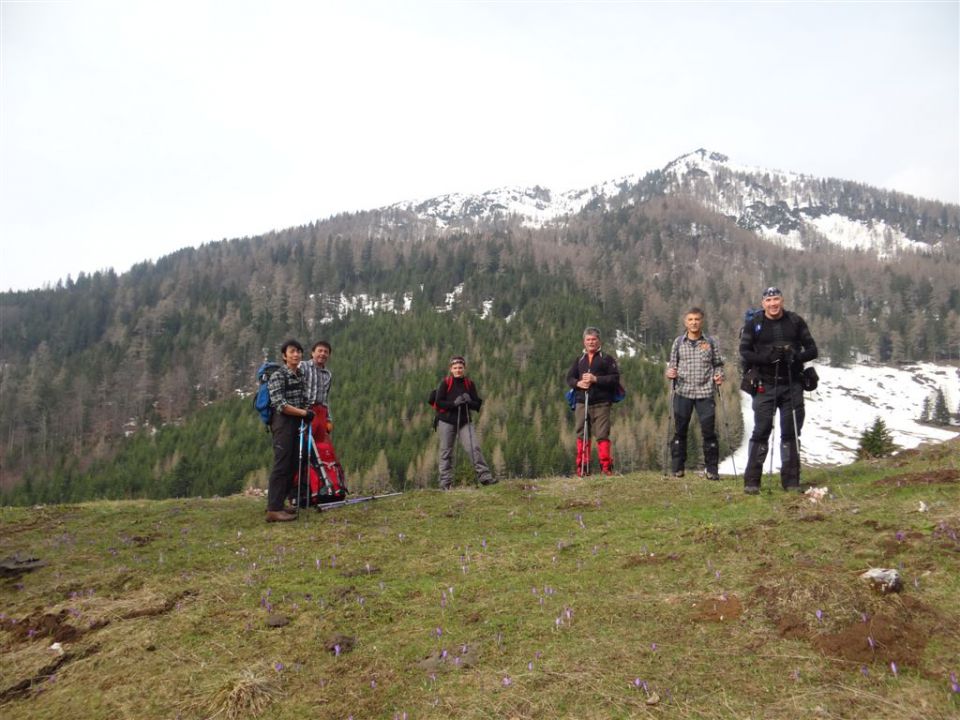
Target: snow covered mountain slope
(535,207)
(849,399)
(792,209)
(788,208)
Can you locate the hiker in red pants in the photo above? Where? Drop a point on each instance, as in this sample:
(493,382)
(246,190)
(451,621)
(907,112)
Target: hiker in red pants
(594,377)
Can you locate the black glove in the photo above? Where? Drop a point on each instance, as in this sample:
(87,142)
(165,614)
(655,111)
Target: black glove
(461,399)
(308,418)
(776,353)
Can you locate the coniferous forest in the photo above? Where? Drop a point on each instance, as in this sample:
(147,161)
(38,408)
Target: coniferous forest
(138,384)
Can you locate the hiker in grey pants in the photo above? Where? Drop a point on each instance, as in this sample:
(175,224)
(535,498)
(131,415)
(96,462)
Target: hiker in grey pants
(455,398)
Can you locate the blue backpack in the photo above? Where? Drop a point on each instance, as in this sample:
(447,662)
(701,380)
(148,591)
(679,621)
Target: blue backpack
(261,401)
(619,395)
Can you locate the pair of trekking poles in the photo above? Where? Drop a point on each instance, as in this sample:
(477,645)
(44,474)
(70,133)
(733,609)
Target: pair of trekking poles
(793,415)
(671,429)
(456,443)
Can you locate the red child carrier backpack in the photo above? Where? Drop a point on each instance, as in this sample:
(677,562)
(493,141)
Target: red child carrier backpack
(326,481)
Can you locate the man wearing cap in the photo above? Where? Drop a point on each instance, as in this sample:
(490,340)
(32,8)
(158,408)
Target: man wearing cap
(455,397)
(594,377)
(775,345)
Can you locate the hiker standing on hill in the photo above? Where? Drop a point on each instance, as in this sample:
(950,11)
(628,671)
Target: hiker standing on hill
(773,346)
(288,400)
(594,377)
(696,369)
(455,397)
(318,380)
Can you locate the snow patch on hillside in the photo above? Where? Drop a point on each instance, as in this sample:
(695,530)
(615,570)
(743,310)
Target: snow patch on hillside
(846,403)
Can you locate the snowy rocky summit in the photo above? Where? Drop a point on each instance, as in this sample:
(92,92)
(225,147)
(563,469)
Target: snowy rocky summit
(788,208)
(792,209)
(536,206)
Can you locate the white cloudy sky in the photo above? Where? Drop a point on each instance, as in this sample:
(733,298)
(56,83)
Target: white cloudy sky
(131,129)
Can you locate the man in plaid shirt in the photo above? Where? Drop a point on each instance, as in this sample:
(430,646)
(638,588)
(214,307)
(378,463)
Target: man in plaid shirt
(317,380)
(696,369)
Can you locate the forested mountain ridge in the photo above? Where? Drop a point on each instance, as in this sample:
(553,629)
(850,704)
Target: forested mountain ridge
(167,345)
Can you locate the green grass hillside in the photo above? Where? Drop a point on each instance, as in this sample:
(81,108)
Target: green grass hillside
(626,597)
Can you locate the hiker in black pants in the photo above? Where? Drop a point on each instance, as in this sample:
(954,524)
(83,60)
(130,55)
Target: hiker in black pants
(289,403)
(774,345)
(696,368)
(455,398)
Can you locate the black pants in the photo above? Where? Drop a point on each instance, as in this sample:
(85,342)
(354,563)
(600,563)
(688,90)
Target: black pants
(788,399)
(682,414)
(286,436)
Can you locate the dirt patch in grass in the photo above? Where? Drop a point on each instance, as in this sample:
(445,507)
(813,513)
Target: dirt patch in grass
(927,477)
(843,618)
(41,624)
(897,634)
(792,627)
(24,687)
(718,609)
(58,626)
(649,559)
(892,546)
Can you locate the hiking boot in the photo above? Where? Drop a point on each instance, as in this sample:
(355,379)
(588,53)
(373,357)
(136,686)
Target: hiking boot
(751,489)
(280,516)
(793,489)
(489,481)
(712,475)
(677,473)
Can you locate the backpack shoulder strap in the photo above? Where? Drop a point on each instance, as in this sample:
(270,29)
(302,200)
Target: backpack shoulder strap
(676,349)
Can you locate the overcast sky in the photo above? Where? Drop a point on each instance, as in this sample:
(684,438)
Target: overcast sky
(131,129)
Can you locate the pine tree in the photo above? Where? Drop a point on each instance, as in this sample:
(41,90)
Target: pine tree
(940,414)
(876,441)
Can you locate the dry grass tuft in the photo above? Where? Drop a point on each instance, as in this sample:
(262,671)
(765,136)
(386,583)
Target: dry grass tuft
(247,694)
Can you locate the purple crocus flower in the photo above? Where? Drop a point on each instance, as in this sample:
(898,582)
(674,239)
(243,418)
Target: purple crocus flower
(653,646)
(819,615)
(278,666)
(893,668)
(507,682)
(954,685)
(864,671)
(336,650)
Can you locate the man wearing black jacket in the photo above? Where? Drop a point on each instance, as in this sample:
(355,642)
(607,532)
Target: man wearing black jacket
(594,377)
(455,398)
(774,346)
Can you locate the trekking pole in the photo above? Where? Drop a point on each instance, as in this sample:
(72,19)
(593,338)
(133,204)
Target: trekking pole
(726,428)
(456,444)
(793,412)
(473,450)
(314,455)
(303,426)
(773,426)
(670,428)
(585,457)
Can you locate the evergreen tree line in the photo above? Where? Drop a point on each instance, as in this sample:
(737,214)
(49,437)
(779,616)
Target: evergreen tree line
(89,365)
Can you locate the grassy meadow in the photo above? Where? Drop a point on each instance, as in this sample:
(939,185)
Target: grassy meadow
(626,597)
